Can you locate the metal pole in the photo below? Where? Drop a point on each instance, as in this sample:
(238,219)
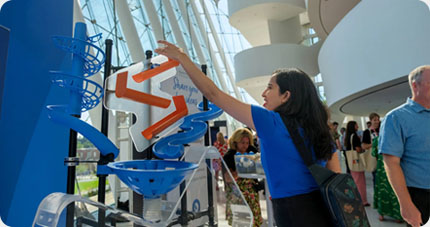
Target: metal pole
(101,195)
(107,70)
(71,176)
(184,213)
(211,209)
(137,198)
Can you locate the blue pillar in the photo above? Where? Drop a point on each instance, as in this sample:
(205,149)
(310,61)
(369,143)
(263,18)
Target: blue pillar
(4,44)
(32,148)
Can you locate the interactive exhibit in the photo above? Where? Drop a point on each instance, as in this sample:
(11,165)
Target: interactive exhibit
(163,182)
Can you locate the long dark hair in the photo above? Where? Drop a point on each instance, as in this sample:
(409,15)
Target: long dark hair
(350,129)
(306,108)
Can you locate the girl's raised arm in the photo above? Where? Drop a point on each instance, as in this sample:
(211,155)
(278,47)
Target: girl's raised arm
(237,109)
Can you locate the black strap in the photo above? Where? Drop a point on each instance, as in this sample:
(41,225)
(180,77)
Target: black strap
(298,141)
(321,174)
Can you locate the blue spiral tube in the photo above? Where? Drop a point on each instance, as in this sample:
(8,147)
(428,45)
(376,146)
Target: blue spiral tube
(194,125)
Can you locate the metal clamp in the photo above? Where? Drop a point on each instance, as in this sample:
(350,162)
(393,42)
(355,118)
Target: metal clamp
(71,161)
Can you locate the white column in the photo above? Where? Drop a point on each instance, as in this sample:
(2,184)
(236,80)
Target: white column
(175,25)
(232,122)
(147,23)
(185,15)
(194,38)
(129,30)
(151,12)
(213,57)
(136,51)
(219,46)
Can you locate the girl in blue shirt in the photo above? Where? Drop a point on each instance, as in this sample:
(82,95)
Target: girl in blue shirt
(295,194)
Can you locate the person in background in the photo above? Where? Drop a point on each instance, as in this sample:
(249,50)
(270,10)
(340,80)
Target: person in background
(252,148)
(371,132)
(296,197)
(222,147)
(239,142)
(384,199)
(335,134)
(352,141)
(342,137)
(404,142)
(342,144)
(221,143)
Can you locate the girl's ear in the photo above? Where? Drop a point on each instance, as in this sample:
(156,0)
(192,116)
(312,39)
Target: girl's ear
(286,96)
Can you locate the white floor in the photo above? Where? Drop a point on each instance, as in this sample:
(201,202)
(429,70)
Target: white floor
(371,213)
(221,207)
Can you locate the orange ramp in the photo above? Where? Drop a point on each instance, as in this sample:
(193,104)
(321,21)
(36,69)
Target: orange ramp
(181,111)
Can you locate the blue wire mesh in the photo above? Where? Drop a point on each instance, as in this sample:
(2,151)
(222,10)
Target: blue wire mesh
(90,91)
(93,62)
(95,38)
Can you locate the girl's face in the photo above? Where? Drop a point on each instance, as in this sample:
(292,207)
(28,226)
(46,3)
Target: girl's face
(272,96)
(242,145)
(374,122)
(356,127)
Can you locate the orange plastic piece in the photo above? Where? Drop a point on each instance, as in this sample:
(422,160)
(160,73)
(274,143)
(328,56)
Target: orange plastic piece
(142,76)
(122,91)
(181,111)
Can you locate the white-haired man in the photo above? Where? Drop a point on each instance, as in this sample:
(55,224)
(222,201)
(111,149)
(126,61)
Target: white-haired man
(405,144)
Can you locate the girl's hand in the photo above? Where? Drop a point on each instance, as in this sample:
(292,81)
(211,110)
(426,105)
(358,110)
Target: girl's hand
(170,50)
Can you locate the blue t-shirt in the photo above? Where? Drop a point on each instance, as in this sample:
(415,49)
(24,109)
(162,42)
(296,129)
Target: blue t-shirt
(286,172)
(405,133)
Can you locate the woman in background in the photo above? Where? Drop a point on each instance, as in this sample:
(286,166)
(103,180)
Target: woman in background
(222,147)
(384,199)
(239,142)
(353,142)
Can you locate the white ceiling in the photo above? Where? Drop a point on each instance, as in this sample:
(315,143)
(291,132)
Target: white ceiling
(380,99)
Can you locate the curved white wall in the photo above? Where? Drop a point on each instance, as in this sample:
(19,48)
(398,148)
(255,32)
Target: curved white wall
(237,5)
(265,22)
(324,15)
(253,63)
(376,42)
(263,60)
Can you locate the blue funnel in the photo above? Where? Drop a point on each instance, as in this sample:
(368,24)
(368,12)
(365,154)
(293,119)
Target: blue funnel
(151,178)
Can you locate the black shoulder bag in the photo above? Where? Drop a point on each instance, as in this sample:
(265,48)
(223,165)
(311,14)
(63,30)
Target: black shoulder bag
(337,189)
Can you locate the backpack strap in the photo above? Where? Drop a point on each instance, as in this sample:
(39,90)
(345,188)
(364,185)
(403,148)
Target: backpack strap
(321,174)
(298,141)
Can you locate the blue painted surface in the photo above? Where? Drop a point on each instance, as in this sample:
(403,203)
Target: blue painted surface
(4,44)
(32,148)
